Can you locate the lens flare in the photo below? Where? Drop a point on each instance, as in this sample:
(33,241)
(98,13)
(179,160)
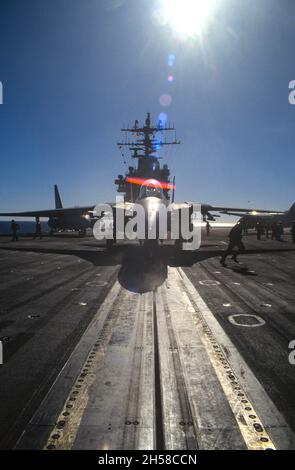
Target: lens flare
(171,60)
(162,119)
(150,183)
(165,100)
(188,18)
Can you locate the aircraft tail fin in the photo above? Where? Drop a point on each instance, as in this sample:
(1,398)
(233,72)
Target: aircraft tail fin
(292,210)
(58,203)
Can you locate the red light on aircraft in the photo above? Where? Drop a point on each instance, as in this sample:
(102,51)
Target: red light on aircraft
(150,183)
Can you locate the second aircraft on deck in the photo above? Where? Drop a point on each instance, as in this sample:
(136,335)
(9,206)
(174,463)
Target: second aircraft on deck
(136,187)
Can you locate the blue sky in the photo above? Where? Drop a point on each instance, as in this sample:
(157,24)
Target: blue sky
(73,71)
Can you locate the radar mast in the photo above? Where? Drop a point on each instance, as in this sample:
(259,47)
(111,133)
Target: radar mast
(144,146)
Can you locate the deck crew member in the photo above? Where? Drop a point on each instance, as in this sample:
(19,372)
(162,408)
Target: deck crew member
(14,230)
(235,240)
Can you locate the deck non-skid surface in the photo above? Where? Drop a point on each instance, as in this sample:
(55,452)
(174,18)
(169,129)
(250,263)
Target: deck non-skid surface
(192,356)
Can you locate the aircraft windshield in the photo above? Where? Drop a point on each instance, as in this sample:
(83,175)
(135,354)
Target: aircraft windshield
(151,188)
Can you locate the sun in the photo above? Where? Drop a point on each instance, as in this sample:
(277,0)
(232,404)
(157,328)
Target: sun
(187,18)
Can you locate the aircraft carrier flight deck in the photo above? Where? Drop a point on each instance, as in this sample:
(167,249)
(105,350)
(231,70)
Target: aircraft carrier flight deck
(113,350)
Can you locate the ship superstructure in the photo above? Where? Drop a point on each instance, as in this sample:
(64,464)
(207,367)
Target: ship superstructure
(144,146)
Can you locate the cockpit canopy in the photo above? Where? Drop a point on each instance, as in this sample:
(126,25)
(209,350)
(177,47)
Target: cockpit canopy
(151,188)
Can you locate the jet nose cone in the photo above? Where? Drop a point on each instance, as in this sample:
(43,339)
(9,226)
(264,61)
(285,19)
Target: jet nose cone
(153,212)
(152,206)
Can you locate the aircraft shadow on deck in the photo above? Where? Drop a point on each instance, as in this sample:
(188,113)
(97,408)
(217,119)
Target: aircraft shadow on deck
(139,272)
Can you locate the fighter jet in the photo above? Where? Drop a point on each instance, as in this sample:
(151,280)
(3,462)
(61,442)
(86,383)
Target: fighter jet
(250,220)
(145,147)
(60,218)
